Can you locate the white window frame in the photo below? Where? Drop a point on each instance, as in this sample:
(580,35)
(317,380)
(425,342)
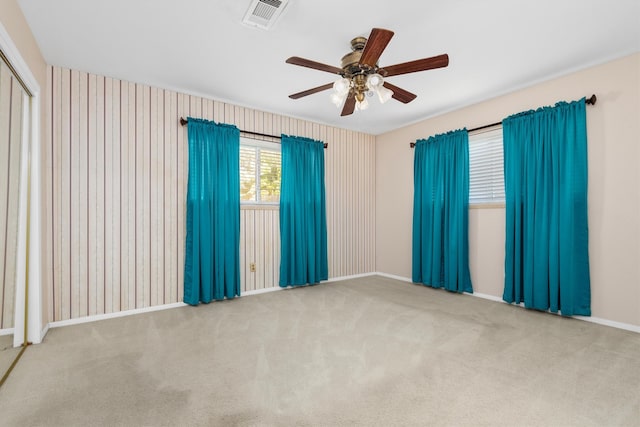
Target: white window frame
(492,163)
(266,145)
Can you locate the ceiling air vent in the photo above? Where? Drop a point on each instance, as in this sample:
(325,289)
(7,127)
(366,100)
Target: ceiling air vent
(264,13)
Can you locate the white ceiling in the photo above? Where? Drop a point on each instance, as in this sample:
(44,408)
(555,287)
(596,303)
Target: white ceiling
(201,47)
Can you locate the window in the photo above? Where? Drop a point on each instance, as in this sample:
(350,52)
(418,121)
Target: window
(486,168)
(260,171)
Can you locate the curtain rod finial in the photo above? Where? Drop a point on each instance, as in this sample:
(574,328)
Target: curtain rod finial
(592,100)
(183,121)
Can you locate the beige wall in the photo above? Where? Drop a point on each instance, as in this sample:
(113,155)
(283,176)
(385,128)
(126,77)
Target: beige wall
(16,25)
(14,22)
(116,188)
(614,186)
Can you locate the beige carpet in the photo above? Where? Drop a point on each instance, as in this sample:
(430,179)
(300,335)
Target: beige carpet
(370,351)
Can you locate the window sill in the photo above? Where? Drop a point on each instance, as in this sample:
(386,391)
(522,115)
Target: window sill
(260,206)
(500,205)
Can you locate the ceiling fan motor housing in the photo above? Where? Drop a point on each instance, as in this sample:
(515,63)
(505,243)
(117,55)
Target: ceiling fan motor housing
(351,61)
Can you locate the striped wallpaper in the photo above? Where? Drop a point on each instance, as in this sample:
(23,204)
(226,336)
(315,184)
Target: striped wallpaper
(259,244)
(11,106)
(117,175)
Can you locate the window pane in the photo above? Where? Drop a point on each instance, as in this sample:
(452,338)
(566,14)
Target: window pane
(248,174)
(260,171)
(486,168)
(270,173)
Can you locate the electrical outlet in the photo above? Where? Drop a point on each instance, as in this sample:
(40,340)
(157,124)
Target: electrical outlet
(252,267)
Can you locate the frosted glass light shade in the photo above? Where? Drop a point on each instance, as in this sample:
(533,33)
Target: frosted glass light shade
(384,94)
(341,86)
(362,105)
(338,99)
(374,81)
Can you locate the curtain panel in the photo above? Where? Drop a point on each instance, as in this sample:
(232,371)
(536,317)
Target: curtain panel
(440,252)
(303,221)
(547,237)
(212,249)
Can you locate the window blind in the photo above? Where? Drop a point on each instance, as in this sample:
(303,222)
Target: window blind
(486,168)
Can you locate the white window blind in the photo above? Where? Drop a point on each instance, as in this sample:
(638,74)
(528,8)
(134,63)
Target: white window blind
(260,171)
(486,168)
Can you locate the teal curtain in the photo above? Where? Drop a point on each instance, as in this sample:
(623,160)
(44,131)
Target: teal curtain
(547,237)
(440,212)
(212,249)
(303,221)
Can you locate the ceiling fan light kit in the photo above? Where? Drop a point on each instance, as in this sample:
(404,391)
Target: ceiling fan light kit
(360,74)
(375,83)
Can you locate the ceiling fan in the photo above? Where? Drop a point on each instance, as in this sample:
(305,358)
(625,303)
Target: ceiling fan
(361,75)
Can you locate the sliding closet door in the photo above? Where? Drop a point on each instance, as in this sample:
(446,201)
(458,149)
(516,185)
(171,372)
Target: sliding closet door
(13,101)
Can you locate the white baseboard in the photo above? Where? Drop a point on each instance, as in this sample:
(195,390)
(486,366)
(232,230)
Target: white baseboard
(353,276)
(97,317)
(605,322)
(611,323)
(486,296)
(599,321)
(44,331)
(261,291)
(7,331)
(393,276)
(329,280)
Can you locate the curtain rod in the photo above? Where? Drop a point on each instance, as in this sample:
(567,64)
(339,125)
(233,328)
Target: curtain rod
(590,100)
(184,121)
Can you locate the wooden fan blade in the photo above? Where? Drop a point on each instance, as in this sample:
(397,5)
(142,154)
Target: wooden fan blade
(400,94)
(349,105)
(311,91)
(418,65)
(296,60)
(376,43)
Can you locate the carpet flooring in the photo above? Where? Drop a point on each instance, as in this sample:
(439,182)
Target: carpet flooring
(370,351)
